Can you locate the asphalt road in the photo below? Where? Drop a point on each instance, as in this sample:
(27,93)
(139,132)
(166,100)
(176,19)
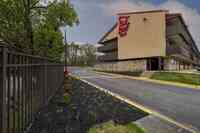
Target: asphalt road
(178,103)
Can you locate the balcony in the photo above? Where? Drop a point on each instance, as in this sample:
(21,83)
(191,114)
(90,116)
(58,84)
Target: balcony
(177,28)
(111,56)
(108,46)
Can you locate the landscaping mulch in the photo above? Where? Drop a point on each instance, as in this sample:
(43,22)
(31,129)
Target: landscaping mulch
(78,106)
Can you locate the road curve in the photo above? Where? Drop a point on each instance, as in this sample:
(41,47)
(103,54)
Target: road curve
(178,103)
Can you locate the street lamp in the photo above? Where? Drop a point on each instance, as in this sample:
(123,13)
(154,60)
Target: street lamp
(65,58)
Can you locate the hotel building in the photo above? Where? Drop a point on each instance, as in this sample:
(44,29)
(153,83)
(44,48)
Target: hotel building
(148,40)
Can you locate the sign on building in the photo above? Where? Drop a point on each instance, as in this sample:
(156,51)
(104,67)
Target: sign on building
(123,25)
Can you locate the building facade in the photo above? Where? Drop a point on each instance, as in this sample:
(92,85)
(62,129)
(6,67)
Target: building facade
(149,40)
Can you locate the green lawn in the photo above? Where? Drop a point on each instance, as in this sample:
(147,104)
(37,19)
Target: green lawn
(193,79)
(111,127)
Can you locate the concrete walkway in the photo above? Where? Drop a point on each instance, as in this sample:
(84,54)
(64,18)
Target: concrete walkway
(152,124)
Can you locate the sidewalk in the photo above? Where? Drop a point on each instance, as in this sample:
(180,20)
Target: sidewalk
(152,124)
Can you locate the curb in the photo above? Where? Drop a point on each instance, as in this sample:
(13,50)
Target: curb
(196,87)
(135,104)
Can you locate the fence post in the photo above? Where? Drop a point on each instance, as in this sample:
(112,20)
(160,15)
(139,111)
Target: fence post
(3,78)
(45,83)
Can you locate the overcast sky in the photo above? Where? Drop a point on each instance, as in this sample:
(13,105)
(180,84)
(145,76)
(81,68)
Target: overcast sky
(98,16)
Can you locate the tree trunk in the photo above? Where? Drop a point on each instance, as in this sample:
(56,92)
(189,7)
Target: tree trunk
(28,25)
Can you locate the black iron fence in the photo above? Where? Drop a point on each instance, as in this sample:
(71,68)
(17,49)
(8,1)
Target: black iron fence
(26,84)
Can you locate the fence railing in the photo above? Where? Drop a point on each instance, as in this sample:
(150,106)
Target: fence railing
(26,84)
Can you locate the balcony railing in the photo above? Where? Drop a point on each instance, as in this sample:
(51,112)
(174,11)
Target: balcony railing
(111,56)
(107,47)
(176,28)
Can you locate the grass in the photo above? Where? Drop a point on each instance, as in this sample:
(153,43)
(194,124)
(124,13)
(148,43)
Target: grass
(192,79)
(66,98)
(111,127)
(186,78)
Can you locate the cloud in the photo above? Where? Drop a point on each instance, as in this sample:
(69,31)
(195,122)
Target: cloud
(126,6)
(191,16)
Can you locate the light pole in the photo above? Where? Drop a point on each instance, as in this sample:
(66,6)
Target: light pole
(65,41)
(66,47)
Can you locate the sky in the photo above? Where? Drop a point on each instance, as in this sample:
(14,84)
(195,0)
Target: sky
(98,16)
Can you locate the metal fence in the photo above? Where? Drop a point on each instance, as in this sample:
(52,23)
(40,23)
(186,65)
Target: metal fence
(26,84)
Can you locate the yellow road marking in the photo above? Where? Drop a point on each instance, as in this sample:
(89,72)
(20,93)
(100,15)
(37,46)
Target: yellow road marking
(146,109)
(100,76)
(196,87)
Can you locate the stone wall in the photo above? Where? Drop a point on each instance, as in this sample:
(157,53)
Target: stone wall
(174,64)
(170,64)
(131,65)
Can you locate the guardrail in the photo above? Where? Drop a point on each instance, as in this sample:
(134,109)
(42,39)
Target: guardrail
(26,84)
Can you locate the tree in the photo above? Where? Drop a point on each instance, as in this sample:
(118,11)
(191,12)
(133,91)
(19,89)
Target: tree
(90,54)
(73,51)
(47,36)
(24,22)
(81,55)
(12,28)
(48,42)
(17,16)
(61,14)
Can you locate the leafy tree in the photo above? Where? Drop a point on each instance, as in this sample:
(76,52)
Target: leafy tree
(81,55)
(33,26)
(47,36)
(61,14)
(90,54)
(73,50)
(16,18)
(48,42)
(12,28)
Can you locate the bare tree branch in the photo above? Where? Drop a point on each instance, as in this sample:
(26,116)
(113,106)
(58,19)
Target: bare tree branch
(34,4)
(39,7)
